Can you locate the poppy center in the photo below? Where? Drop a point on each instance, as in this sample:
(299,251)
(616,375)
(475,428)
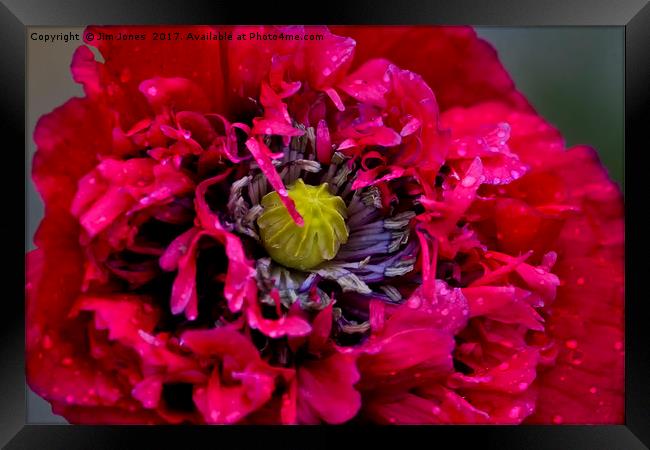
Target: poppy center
(321,236)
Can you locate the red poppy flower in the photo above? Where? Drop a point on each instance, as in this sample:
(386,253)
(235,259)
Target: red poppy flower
(352,224)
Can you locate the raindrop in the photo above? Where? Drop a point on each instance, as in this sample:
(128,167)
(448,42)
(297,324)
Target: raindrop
(468,181)
(557,419)
(152,91)
(576,357)
(571,344)
(415,302)
(514,412)
(47,342)
(327,71)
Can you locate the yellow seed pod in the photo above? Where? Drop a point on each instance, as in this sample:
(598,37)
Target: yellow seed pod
(318,240)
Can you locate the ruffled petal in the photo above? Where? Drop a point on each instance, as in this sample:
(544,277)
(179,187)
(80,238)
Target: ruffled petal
(460,68)
(326,390)
(68,143)
(128,63)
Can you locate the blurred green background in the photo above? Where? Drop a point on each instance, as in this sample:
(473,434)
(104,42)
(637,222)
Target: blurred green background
(573,76)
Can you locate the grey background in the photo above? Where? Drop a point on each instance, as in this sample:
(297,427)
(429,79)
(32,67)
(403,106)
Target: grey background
(573,76)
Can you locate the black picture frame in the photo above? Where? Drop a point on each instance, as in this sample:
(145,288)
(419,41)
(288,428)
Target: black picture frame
(17,15)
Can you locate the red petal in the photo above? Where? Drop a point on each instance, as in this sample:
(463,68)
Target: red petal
(321,328)
(460,68)
(57,364)
(229,404)
(531,138)
(368,84)
(129,63)
(221,342)
(68,142)
(174,93)
(262,155)
(287,325)
(326,390)
(587,383)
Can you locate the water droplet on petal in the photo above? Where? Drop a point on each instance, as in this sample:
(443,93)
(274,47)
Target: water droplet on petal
(47,342)
(414,302)
(571,344)
(557,419)
(152,91)
(326,71)
(514,412)
(468,181)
